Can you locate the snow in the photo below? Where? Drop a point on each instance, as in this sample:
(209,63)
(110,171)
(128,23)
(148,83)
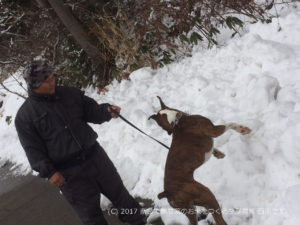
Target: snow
(252,80)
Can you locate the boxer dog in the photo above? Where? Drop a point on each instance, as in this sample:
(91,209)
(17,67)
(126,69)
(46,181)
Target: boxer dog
(192,145)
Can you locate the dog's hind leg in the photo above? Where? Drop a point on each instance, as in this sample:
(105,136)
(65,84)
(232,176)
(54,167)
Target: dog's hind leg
(191,214)
(188,211)
(202,196)
(238,128)
(215,131)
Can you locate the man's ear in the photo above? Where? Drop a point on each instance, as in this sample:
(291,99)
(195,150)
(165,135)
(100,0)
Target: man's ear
(154,116)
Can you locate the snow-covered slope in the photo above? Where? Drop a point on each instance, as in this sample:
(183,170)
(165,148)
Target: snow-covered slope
(254,80)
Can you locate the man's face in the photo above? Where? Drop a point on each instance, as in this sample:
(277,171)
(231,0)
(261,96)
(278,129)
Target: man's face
(47,86)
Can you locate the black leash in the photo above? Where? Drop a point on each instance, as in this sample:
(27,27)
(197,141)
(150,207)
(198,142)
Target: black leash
(131,124)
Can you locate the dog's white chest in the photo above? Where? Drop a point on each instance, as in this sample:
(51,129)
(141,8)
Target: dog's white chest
(171,115)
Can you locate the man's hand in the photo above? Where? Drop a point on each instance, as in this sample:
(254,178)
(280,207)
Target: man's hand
(116,108)
(57,180)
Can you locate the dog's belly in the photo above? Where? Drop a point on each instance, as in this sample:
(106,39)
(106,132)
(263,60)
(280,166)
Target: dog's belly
(185,157)
(184,165)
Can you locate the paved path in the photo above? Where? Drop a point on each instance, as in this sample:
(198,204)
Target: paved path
(29,200)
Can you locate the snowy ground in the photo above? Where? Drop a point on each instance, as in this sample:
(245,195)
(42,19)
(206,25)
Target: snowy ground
(253,80)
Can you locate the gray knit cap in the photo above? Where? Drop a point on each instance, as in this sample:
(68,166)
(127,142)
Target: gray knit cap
(36,72)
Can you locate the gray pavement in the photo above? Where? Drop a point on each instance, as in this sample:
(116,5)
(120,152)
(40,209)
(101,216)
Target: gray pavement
(29,200)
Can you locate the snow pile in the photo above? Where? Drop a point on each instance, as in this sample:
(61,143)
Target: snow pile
(253,80)
(10,148)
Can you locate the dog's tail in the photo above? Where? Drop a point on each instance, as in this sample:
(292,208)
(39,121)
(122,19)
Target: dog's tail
(162,195)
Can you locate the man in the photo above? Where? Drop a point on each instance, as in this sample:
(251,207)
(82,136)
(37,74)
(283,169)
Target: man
(61,146)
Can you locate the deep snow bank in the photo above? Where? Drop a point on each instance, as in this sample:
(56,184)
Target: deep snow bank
(254,80)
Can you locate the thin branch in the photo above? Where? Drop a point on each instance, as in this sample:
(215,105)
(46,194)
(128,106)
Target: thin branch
(277,17)
(285,2)
(219,14)
(22,96)
(22,41)
(19,82)
(17,20)
(4,46)
(54,48)
(4,31)
(10,62)
(7,62)
(13,34)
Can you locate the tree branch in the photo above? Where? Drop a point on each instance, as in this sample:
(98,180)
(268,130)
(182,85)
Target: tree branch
(19,82)
(54,48)
(18,19)
(78,31)
(16,93)
(10,62)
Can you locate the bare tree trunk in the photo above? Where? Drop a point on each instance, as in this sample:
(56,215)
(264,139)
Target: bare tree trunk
(98,3)
(77,30)
(43,4)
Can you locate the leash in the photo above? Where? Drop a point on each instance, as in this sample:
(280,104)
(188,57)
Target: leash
(131,124)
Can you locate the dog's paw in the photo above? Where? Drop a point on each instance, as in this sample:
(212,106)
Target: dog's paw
(218,154)
(239,128)
(244,130)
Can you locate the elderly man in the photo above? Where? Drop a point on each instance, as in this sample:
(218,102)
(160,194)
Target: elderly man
(52,126)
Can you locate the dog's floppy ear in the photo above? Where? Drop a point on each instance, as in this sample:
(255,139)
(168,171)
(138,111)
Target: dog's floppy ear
(154,116)
(162,104)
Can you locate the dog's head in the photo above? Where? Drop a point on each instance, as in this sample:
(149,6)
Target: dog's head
(167,118)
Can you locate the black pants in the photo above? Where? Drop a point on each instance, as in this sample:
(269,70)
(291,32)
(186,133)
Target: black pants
(85,183)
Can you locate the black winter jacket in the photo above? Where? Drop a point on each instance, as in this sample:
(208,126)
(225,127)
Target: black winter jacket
(53,128)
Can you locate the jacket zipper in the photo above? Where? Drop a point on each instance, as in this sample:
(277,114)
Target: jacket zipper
(67,126)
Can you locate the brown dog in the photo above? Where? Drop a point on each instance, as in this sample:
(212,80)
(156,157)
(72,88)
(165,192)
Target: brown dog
(192,145)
